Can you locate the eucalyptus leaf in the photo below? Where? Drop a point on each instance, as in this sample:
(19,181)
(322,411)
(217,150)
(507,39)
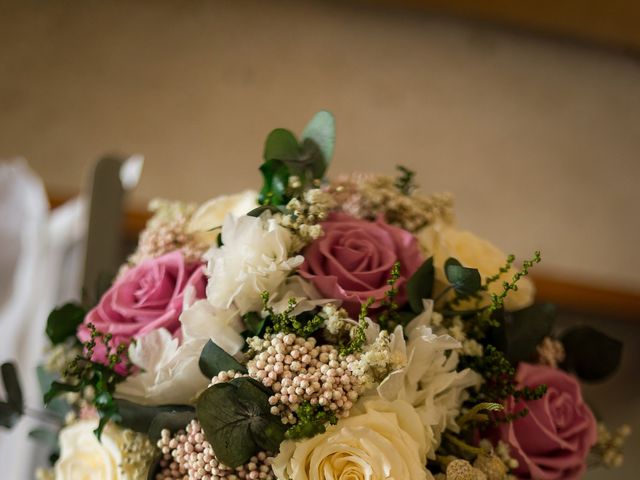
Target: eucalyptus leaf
(237,421)
(420,285)
(405,317)
(281,144)
(153,418)
(276,180)
(63,322)
(322,131)
(256,212)
(311,164)
(255,323)
(53,457)
(172,421)
(12,387)
(214,360)
(154,468)
(525,329)
(465,281)
(590,353)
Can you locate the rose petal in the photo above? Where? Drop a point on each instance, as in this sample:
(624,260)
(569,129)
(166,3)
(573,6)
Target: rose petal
(553,440)
(353,260)
(147,297)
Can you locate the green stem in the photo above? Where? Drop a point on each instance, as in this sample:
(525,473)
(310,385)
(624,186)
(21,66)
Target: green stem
(472,414)
(445,460)
(442,294)
(465,447)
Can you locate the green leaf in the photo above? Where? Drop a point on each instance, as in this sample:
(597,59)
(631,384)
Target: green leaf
(152,419)
(255,323)
(155,468)
(276,180)
(321,130)
(58,388)
(525,329)
(63,322)
(591,354)
(214,360)
(256,212)
(136,417)
(465,281)
(420,285)
(12,387)
(108,414)
(311,164)
(172,421)
(281,144)
(53,458)
(237,421)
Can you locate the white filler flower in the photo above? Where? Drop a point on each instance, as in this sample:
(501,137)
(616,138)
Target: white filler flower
(254,258)
(429,381)
(169,371)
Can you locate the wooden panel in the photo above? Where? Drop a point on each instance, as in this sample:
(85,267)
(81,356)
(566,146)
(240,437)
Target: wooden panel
(611,22)
(593,299)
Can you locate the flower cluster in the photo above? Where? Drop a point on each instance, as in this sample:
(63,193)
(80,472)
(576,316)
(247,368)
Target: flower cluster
(367,196)
(298,371)
(323,330)
(187,454)
(303,216)
(166,231)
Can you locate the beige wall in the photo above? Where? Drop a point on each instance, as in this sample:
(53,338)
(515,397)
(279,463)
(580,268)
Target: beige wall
(538,139)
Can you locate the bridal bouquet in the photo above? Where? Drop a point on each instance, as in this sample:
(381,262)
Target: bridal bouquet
(338,329)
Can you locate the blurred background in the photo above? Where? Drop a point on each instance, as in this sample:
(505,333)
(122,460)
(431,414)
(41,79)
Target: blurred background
(528,112)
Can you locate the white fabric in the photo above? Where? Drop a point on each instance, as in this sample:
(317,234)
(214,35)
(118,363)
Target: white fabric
(40,267)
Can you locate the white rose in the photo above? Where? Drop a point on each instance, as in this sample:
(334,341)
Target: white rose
(429,381)
(444,241)
(254,258)
(380,440)
(169,372)
(84,457)
(210,214)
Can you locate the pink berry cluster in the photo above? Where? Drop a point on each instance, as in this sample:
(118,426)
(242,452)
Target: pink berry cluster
(226,376)
(298,370)
(188,456)
(165,236)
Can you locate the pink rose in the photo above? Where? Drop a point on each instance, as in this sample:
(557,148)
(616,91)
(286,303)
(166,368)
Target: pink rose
(553,439)
(145,298)
(353,259)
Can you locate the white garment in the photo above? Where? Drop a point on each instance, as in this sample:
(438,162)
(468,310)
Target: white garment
(41,255)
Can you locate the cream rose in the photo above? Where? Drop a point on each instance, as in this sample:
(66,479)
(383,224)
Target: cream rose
(444,241)
(210,215)
(380,440)
(84,457)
